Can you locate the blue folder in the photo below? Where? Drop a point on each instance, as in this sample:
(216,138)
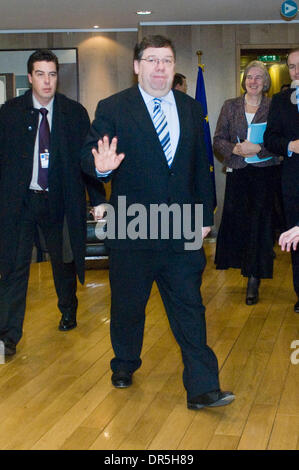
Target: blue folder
(255,135)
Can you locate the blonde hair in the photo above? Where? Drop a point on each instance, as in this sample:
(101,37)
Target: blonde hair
(263,68)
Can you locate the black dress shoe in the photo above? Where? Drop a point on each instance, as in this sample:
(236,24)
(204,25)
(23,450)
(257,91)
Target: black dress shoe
(9,347)
(67,322)
(296,307)
(252,294)
(210,399)
(121,379)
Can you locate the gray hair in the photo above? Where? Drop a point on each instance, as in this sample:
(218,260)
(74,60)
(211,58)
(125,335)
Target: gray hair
(260,65)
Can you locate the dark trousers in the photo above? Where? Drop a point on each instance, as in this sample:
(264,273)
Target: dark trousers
(13,290)
(290,191)
(178,277)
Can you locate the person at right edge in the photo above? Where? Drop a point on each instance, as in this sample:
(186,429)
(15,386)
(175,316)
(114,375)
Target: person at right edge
(282,136)
(245,238)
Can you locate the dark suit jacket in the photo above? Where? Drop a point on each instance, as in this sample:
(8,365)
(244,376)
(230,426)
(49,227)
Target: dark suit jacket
(144,176)
(282,127)
(232,124)
(18,127)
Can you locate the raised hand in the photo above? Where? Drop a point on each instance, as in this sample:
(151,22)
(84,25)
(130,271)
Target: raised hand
(105,156)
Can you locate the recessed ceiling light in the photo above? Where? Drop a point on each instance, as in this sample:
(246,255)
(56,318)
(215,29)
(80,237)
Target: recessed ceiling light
(144,12)
(96,26)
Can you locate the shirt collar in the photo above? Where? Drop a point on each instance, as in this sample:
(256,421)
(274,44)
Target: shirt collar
(168,98)
(37,105)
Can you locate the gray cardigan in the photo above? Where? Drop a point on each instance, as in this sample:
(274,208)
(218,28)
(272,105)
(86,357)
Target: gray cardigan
(232,124)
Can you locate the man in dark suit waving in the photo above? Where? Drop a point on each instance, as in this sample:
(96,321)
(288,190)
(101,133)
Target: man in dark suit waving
(41,184)
(282,137)
(149,141)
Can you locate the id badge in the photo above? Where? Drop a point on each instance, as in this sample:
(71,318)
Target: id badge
(44,159)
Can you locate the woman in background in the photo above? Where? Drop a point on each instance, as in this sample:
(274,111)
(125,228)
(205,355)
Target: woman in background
(245,238)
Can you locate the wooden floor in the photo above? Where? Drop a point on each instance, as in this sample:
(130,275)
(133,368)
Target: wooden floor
(56,392)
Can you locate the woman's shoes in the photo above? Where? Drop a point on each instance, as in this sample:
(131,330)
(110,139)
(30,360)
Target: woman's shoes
(252,294)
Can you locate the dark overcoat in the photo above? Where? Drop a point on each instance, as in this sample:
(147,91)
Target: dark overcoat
(283,127)
(67,197)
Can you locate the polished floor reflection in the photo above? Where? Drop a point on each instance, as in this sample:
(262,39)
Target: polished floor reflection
(56,392)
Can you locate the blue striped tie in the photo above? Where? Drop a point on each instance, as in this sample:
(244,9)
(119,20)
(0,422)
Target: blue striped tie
(161,127)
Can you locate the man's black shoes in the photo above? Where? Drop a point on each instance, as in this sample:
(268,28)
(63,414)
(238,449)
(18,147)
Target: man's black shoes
(210,399)
(67,322)
(296,307)
(121,379)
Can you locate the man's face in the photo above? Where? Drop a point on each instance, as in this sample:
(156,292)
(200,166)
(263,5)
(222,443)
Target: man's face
(293,64)
(44,81)
(156,77)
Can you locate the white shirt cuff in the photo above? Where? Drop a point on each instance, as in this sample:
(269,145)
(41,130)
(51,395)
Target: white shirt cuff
(103,175)
(290,153)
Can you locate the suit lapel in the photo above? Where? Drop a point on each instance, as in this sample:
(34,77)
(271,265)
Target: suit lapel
(57,131)
(54,135)
(139,113)
(291,110)
(31,123)
(240,118)
(183,112)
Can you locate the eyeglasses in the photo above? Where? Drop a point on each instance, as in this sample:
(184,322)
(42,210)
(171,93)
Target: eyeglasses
(257,77)
(292,66)
(168,62)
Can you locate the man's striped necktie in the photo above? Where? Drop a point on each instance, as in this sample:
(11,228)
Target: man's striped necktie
(161,127)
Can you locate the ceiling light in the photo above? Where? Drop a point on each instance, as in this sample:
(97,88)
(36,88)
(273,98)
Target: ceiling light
(144,12)
(96,26)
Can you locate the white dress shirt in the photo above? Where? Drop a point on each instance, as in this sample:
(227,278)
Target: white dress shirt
(169,108)
(34,184)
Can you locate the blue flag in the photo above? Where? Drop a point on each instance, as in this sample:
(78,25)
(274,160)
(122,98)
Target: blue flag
(201,97)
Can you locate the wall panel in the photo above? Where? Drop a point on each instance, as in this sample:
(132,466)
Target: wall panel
(105,61)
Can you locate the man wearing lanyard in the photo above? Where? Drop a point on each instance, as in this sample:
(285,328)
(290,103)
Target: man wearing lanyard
(282,138)
(149,141)
(41,185)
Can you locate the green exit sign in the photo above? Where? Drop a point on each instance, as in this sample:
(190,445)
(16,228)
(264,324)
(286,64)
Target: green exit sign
(269,58)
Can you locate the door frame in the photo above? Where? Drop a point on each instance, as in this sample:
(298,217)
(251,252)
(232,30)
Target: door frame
(272,46)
